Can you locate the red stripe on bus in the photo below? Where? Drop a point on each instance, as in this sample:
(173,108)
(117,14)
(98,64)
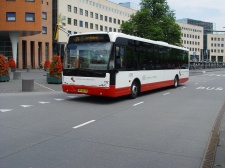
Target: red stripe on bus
(113,92)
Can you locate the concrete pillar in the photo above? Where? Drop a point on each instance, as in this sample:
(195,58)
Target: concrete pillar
(28,54)
(14,38)
(35,56)
(20,55)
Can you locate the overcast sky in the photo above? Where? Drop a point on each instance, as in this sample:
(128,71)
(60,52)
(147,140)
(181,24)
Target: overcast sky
(204,10)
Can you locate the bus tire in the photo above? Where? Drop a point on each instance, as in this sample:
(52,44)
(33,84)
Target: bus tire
(176,82)
(134,90)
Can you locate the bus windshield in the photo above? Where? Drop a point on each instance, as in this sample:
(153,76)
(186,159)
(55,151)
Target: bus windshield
(93,56)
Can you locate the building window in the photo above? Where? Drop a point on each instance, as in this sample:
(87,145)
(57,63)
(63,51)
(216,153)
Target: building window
(44,15)
(30,17)
(86,13)
(86,24)
(30,0)
(44,30)
(69,8)
(101,17)
(75,9)
(114,20)
(81,11)
(110,29)
(91,25)
(91,14)
(110,20)
(11,16)
(119,24)
(96,16)
(69,32)
(69,21)
(75,22)
(106,29)
(81,23)
(101,28)
(96,27)
(106,18)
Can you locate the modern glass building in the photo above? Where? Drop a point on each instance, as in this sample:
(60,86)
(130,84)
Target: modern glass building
(130,5)
(208,28)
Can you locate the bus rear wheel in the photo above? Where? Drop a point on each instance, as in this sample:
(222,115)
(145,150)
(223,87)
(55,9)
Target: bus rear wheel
(176,82)
(134,90)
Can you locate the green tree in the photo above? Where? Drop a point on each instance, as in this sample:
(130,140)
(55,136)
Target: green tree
(155,21)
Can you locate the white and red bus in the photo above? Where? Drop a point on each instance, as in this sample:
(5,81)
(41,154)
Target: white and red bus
(115,64)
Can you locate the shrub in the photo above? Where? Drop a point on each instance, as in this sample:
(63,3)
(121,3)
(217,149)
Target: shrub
(47,64)
(4,66)
(55,69)
(12,63)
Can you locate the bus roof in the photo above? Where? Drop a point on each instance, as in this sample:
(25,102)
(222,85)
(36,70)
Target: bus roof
(114,35)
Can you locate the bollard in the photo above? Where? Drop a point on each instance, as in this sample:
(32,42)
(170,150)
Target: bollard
(27,84)
(16,75)
(28,68)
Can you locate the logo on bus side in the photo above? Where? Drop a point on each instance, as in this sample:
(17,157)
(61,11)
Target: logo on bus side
(73,79)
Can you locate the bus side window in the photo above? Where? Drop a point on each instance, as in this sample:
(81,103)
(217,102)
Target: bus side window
(120,54)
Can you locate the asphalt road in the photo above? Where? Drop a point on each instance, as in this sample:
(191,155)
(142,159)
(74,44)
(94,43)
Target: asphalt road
(164,128)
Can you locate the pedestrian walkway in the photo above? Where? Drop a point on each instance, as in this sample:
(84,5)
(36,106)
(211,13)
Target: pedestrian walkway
(40,82)
(220,150)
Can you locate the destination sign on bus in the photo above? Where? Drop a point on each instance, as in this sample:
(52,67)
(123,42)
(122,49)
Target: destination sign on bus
(89,38)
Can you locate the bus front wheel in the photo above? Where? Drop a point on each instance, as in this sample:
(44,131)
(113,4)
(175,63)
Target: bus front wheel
(176,82)
(134,90)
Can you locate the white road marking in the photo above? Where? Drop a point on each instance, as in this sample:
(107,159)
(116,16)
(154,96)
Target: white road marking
(196,83)
(44,86)
(166,93)
(183,87)
(58,99)
(43,102)
(209,88)
(137,103)
(5,110)
(25,106)
(219,88)
(86,123)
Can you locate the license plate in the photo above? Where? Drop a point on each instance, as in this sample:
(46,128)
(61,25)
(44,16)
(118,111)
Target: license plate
(82,90)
